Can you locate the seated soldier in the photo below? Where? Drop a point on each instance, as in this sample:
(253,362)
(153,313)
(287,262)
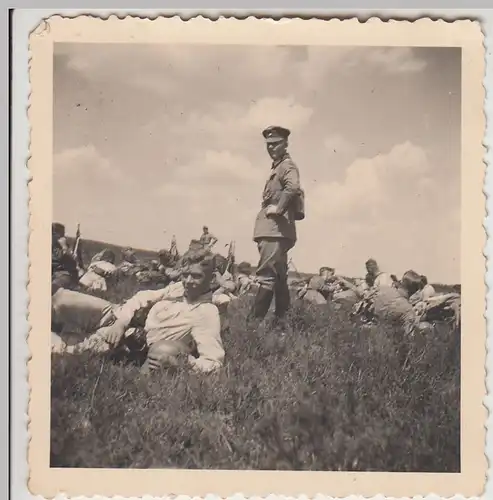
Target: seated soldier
(347,292)
(424,290)
(319,290)
(167,265)
(223,282)
(391,304)
(64,270)
(223,287)
(101,268)
(393,307)
(324,287)
(375,277)
(154,276)
(244,279)
(129,263)
(176,321)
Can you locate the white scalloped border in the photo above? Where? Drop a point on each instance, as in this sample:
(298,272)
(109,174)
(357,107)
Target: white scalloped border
(21,304)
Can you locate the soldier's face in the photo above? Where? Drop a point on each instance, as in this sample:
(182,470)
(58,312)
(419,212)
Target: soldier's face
(326,274)
(58,233)
(196,281)
(276,149)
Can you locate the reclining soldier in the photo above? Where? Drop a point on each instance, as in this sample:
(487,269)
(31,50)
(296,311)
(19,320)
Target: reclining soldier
(179,321)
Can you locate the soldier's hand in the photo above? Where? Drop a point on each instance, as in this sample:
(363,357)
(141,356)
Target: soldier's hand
(114,333)
(272,210)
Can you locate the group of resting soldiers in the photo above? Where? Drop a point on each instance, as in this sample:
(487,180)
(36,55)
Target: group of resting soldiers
(182,310)
(180,318)
(411,303)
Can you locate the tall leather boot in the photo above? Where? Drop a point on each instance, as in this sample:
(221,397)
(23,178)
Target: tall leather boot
(262,303)
(283,303)
(282,300)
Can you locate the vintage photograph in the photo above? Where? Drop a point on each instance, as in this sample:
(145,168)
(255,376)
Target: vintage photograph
(256,257)
(340,168)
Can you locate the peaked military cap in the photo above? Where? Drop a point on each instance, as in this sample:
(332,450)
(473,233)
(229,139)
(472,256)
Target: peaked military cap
(275,133)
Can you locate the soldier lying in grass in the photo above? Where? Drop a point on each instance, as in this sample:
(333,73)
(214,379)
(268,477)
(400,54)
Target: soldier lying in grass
(394,304)
(101,269)
(166,325)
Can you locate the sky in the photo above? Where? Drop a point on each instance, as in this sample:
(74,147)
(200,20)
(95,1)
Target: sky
(152,141)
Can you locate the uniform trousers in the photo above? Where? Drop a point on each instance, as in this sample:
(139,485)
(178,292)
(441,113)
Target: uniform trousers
(272,276)
(82,319)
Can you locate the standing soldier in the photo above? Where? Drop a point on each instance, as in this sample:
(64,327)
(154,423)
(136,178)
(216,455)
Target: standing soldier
(208,240)
(275,228)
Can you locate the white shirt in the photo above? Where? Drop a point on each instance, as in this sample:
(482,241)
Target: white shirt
(94,278)
(383,279)
(173,317)
(421,295)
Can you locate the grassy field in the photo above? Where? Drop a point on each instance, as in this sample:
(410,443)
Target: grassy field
(330,395)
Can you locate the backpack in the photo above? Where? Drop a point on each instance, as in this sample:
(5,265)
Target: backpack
(299,205)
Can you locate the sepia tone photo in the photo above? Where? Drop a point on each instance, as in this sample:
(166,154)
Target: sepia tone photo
(257,254)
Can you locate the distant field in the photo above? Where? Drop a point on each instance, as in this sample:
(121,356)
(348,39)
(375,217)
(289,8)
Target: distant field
(91,247)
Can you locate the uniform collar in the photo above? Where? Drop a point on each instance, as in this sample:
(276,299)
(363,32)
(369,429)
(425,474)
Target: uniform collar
(203,299)
(276,163)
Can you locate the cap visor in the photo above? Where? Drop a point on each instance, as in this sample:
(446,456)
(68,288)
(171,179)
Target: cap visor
(274,139)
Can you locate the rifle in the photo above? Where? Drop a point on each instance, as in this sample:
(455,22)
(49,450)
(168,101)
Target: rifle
(77,250)
(290,262)
(231,255)
(300,281)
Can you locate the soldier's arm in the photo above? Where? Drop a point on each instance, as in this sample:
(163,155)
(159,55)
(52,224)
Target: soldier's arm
(226,283)
(145,300)
(347,284)
(206,332)
(290,181)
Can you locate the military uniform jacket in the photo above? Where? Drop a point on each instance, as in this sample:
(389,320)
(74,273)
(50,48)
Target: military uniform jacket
(282,186)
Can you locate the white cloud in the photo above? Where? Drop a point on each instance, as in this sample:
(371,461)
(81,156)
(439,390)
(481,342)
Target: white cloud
(396,60)
(321,62)
(215,168)
(371,182)
(197,115)
(85,160)
(162,68)
(388,207)
(275,111)
(231,123)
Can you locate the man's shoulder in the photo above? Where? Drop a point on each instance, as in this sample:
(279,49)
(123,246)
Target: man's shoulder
(207,305)
(383,275)
(316,281)
(288,163)
(175,288)
(207,310)
(172,291)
